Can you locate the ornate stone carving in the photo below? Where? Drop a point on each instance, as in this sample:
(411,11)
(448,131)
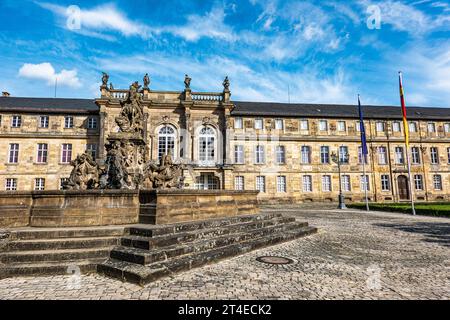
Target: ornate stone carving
(132,115)
(127,165)
(187,82)
(85,174)
(111,87)
(165,175)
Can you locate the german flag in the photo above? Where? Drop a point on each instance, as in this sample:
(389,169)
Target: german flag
(402,100)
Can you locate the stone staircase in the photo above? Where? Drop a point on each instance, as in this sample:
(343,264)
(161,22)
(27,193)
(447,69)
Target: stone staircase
(39,251)
(151,252)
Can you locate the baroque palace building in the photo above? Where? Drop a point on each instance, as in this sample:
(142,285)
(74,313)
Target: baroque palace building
(283,150)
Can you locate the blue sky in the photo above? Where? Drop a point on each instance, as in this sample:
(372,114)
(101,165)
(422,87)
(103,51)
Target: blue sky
(323,51)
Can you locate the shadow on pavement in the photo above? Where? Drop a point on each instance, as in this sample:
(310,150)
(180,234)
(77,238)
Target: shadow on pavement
(433,232)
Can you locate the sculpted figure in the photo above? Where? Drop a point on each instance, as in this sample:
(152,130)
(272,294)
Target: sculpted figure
(85,174)
(105,79)
(146,81)
(132,115)
(226,84)
(187,82)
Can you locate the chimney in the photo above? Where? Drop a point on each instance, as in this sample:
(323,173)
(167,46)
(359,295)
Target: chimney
(6,94)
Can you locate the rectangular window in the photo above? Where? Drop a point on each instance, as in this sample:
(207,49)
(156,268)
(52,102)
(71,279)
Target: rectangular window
(365,186)
(0,119)
(13,153)
(448,155)
(447,127)
(304,126)
(91,149)
(261,183)
(279,124)
(325,155)
(306,155)
(11,184)
(239,154)
(68,122)
(39,184)
(326,183)
(343,154)
(437,182)
(16,121)
(361,156)
(415,155)
(239,183)
(431,127)
(238,123)
(307,183)
(341,126)
(358,126)
(280,155)
(92,123)
(66,153)
(399,156)
(259,124)
(418,182)
(260,157)
(396,126)
(346,185)
(434,155)
(281,184)
(43,121)
(412,127)
(323,125)
(380,126)
(385,183)
(42,153)
(62,181)
(382,155)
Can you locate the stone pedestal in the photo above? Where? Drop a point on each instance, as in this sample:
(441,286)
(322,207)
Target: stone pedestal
(174,206)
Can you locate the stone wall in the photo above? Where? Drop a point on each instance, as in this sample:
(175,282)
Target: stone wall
(68,208)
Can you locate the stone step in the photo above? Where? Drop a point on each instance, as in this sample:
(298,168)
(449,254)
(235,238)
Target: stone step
(61,243)
(146,257)
(142,275)
(53,233)
(61,255)
(189,236)
(156,230)
(50,268)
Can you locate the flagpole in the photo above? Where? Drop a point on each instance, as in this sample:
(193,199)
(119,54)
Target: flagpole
(364,152)
(366,180)
(410,182)
(406,129)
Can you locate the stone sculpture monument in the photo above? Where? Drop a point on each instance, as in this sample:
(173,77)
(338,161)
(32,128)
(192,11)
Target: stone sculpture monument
(127,165)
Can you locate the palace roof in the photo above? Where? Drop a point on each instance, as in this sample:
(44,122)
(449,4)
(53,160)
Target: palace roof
(48,105)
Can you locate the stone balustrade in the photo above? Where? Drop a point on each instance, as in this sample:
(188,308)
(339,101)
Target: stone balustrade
(207,96)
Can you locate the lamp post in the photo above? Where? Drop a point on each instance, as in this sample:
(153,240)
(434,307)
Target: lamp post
(336,158)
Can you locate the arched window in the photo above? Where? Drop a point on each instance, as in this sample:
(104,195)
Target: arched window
(206,149)
(166,141)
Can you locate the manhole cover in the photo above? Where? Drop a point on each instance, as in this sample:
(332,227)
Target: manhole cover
(274,260)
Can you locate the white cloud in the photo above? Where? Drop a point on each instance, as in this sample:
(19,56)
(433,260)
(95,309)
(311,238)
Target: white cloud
(45,71)
(102,18)
(211,25)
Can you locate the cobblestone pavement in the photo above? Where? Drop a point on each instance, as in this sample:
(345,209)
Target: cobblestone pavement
(355,255)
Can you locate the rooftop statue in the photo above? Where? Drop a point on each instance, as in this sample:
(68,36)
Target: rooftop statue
(226,84)
(187,82)
(105,79)
(146,81)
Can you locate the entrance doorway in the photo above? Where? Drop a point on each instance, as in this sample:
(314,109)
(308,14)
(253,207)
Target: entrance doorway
(403,189)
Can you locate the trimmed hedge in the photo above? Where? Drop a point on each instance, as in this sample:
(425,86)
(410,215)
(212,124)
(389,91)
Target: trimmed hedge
(426,209)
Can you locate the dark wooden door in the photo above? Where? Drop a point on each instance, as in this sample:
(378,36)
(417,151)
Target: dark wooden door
(403,190)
